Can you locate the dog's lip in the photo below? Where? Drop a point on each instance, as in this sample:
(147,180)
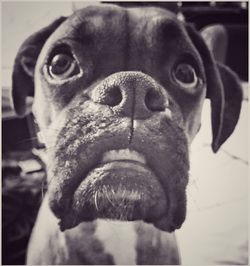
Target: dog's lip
(127,155)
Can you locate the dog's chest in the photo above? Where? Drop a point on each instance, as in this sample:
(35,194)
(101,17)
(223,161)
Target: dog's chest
(136,243)
(119,239)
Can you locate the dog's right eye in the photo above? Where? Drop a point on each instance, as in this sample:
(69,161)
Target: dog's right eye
(185,75)
(63,66)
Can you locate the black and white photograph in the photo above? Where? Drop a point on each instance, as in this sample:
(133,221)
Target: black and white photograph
(124,132)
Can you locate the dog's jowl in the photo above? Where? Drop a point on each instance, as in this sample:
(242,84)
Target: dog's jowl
(118,95)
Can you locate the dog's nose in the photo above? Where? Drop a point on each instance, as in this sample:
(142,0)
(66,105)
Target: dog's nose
(131,94)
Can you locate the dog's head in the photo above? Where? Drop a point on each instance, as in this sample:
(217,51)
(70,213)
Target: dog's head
(118,95)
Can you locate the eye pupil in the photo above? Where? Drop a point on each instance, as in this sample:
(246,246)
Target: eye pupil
(185,73)
(60,63)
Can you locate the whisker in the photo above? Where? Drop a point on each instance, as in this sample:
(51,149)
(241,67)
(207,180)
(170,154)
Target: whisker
(108,198)
(96,205)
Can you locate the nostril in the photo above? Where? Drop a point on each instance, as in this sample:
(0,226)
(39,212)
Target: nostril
(154,101)
(113,96)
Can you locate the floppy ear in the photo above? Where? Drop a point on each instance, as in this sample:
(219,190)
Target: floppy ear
(24,65)
(223,86)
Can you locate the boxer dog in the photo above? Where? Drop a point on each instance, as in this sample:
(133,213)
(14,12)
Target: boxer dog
(118,95)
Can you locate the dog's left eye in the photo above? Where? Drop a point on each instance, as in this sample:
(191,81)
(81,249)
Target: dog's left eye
(185,75)
(63,66)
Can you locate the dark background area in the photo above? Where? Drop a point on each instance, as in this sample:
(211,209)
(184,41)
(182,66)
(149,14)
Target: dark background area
(23,171)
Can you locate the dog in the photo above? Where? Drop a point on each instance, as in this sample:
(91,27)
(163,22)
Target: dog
(118,95)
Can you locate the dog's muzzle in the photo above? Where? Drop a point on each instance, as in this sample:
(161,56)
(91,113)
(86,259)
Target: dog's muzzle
(122,187)
(126,154)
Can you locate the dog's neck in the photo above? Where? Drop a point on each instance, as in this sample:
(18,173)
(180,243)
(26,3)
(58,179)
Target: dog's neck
(131,243)
(104,242)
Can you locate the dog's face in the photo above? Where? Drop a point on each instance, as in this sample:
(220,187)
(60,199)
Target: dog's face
(118,97)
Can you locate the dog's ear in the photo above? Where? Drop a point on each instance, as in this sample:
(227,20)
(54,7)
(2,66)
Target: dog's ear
(223,86)
(24,65)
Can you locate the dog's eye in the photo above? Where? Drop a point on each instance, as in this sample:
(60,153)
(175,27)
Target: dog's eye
(185,75)
(63,66)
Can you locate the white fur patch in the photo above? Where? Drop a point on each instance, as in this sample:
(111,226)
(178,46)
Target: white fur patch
(118,239)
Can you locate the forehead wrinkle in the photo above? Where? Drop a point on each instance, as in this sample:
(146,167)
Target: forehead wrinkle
(89,27)
(165,26)
(170,34)
(79,30)
(154,24)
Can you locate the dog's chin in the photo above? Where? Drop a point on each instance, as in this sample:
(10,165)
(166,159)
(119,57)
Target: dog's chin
(119,190)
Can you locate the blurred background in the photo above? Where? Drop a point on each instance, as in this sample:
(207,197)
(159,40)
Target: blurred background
(216,228)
